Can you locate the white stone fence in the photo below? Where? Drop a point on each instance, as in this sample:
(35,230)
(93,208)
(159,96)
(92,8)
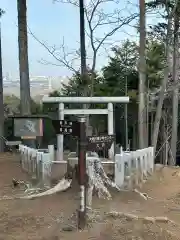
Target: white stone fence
(132,168)
(37,162)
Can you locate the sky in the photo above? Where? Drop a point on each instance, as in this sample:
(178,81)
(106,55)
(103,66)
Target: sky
(52,23)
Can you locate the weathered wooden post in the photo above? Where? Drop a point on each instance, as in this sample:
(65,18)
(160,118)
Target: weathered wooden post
(82,171)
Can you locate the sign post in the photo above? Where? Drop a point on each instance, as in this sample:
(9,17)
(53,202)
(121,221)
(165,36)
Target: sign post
(96,143)
(77,129)
(64,127)
(28,127)
(82,171)
(93,143)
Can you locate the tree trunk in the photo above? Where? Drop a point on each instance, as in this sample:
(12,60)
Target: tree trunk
(1,101)
(175,95)
(142,77)
(165,139)
(25,98)
(163,87)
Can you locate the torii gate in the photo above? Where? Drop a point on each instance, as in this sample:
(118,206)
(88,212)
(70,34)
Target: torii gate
(108,111)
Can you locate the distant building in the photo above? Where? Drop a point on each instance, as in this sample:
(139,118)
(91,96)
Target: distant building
(39,85)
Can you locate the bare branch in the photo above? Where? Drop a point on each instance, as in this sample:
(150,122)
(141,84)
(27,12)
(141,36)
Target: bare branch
(62,60)
(97,18)
(118,23)
(72,2)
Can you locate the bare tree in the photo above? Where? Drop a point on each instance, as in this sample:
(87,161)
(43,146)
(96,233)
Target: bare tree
(1,95)
(25,103)
(170,14)
(97,20)
(142,76)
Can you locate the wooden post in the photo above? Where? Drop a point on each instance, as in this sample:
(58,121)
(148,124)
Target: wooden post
(82,172)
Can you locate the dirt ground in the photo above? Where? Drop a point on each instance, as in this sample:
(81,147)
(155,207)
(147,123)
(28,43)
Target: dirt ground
(54,217)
